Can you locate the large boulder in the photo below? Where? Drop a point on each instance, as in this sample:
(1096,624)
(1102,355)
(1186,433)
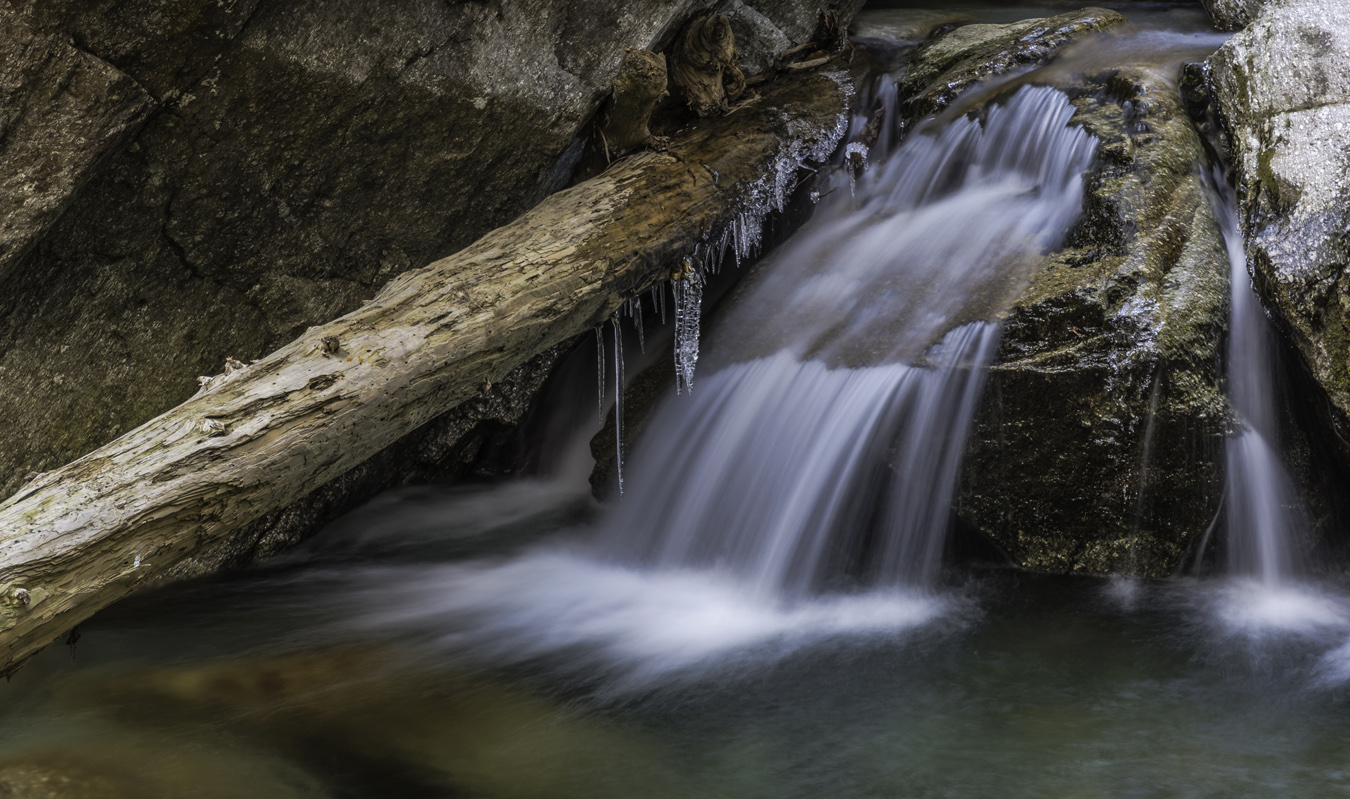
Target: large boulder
(1282,90)
(1099,441)
(298,155)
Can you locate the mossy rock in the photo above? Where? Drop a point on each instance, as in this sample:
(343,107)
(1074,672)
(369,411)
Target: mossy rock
(948,65)
(1099,444)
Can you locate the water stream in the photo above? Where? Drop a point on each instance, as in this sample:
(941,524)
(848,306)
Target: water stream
(1262,507)
(767,611)
(825,443)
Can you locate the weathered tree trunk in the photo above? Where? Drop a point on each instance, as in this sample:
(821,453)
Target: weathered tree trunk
(76,539)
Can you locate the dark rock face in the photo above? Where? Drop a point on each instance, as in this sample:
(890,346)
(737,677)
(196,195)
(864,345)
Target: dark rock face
(294,157)
(1282,90)
(764,28)
(53,99)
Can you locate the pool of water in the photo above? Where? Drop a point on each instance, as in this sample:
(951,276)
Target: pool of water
(434,645)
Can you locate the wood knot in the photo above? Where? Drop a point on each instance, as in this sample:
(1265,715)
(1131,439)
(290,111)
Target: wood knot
(213,427)
(322,381)
(26,599)
(330,345)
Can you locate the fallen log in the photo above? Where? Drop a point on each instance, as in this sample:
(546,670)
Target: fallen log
(76,539)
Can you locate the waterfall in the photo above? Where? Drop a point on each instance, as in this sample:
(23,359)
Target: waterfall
(1263,520)
(823,449)
(801,488)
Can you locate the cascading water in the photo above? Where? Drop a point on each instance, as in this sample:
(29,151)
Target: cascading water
(818,453)
(1261,507)
(1272,594)
(825,448)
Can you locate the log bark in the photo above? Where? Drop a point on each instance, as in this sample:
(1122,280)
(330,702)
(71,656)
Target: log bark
(76,539)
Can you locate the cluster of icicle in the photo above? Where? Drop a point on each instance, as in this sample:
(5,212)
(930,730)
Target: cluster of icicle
(741,239)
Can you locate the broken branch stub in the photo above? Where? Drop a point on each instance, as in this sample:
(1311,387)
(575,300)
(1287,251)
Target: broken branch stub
(641,82)
(78,538)
(703,66)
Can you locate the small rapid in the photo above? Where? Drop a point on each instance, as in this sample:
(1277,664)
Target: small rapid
(823,450)
(801,490)
(1270,596)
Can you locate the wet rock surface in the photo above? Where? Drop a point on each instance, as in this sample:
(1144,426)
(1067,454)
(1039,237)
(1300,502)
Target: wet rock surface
(1099,444)
(906,25)
(949,64)
(1282,90)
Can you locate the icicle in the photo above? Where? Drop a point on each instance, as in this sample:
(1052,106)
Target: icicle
(637,320)
(600,369)
(618,402)
(736,239)
(662,296)
(688,305)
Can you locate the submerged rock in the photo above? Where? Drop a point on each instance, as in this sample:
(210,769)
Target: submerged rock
(1098,445)
(1282,90)
(905,25)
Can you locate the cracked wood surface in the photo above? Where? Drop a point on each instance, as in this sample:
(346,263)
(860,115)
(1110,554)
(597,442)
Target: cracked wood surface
(76,539)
